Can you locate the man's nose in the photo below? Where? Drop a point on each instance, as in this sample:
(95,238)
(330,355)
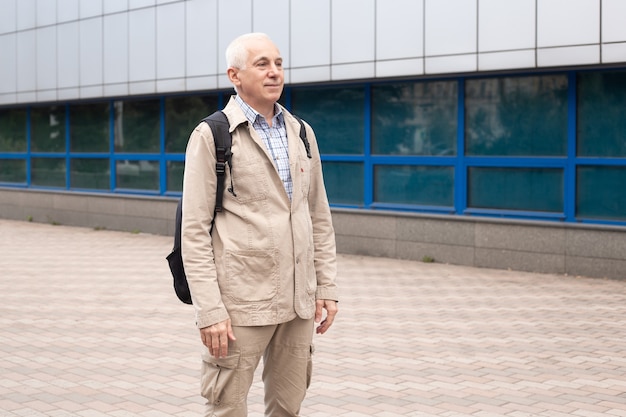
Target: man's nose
(274,69)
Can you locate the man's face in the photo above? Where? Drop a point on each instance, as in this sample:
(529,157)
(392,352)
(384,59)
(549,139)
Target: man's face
(260,83)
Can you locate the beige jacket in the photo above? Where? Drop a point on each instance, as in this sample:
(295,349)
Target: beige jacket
(267,259)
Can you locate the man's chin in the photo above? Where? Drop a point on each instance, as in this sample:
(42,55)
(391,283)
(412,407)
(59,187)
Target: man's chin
(275,90)
(275,95)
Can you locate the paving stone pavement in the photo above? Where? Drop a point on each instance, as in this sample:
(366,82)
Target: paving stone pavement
(90,326)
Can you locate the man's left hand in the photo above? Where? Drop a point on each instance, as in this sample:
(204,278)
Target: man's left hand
(331,311)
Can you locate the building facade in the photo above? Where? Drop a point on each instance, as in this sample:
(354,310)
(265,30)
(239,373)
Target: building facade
(480,132)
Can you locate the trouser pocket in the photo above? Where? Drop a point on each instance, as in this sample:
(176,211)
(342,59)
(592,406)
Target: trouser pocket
(220,382)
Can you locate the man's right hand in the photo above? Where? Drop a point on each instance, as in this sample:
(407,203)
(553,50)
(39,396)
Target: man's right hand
(216,338)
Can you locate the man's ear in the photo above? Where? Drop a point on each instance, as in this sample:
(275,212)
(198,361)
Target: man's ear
(233,76)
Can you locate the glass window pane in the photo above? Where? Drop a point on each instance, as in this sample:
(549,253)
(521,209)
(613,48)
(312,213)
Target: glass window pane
(90,174)
(516,116)
(601,193)
(48,172)
(89,127)
(527,189)
(48,129)
(13,170)
(138,175)
(601,110)
(175,171)
(13,130)
(419,185)
(137,127)
(344,182)
(415,118)
(182,115)
(336,114)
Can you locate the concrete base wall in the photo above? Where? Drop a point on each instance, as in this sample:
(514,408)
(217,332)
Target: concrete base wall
(573,249)
(546,247)
(108,211)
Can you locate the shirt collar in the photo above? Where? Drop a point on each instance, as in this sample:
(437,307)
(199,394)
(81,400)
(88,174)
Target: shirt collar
(254,116)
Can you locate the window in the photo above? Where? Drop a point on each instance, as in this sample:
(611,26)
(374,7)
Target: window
(90,173)
(137,126)
(89,127)
(601,109)
(48,172)
(182,115)
(13,130)
(344,182)
(336,114)
(138,175)
(48,129)
(175,172)
(418,185)
(414,118)
(13,171)
(516,116)
(600,192)
(530,189)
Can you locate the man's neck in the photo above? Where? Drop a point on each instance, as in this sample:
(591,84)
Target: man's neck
(264,109)
(266,113)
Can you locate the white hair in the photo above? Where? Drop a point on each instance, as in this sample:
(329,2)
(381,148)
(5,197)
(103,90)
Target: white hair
(237,51)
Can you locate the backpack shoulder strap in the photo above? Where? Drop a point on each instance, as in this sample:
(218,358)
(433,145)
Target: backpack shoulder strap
(179,220)
(307,146)
(223,141)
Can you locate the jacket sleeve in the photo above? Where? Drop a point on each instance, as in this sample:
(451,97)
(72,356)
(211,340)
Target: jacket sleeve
(325,257)
(199,188)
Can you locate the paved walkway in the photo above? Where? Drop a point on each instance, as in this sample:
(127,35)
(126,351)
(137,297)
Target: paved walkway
(89,326)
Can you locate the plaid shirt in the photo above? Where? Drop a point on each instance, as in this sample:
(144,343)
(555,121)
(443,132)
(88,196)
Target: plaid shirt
(274,138)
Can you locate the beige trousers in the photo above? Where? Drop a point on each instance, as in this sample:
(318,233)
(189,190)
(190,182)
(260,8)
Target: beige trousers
(286,350)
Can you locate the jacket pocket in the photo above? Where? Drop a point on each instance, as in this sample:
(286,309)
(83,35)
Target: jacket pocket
(251,276)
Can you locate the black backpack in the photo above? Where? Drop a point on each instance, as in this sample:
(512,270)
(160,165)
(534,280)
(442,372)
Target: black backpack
(219,127)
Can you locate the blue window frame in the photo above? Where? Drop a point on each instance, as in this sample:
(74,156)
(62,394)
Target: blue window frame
(537,146)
